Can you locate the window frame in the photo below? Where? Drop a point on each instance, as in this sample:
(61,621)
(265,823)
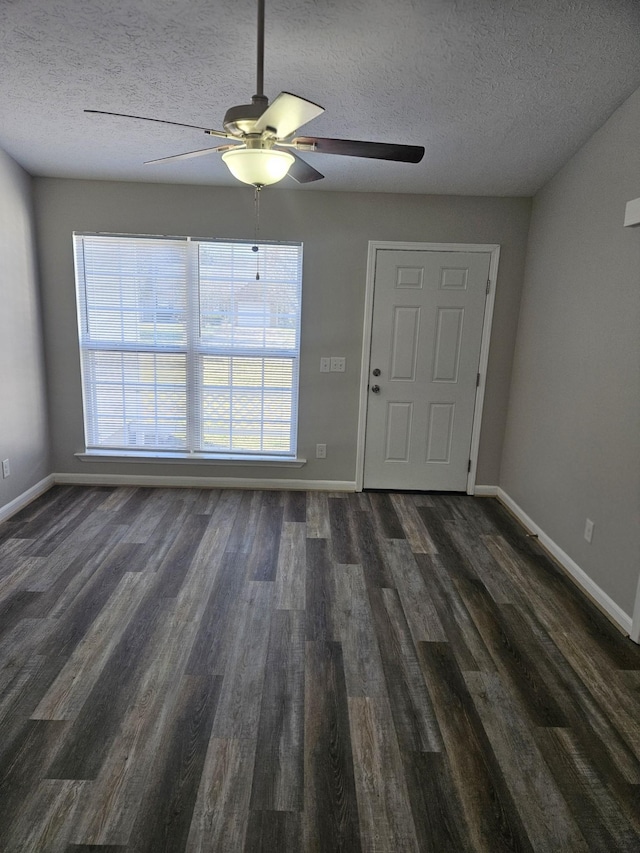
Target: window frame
(195,350)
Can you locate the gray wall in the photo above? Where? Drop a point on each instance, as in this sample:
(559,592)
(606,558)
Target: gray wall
(23,437)
(572,446)
(335,229)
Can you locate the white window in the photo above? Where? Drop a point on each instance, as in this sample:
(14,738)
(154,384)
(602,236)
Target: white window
(189,346)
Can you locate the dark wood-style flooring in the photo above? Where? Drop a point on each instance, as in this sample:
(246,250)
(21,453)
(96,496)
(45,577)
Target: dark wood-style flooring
(202,670)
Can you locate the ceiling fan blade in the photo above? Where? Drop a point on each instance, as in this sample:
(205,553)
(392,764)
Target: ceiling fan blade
(286,114)
(355,148)
(220,133)
(189,154)
(302,172)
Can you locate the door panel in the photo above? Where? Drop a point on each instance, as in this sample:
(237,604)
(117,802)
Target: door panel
(428,312)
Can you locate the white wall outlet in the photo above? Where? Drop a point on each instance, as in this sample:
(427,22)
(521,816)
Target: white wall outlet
(325,365)
(6,470)
(321,451)
(588,530)
(338,364)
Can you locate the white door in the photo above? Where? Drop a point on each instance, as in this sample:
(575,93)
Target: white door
(428,312)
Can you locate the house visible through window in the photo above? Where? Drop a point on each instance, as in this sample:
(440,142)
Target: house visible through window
(184,350)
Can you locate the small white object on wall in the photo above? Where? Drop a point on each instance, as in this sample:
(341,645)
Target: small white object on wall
(632,212)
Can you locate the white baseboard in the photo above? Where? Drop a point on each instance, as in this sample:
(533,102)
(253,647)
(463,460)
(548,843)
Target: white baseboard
(582,579)
(204,482)
(25,498)
(485,491)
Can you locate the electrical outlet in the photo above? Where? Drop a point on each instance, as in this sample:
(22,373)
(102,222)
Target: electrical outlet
(325,365)
(6,470)
(321,451)
(588,530)
(338,364)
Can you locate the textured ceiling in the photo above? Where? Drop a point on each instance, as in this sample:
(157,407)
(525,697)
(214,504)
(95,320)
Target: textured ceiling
(500,92)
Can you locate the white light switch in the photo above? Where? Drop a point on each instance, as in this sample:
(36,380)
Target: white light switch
(338,364)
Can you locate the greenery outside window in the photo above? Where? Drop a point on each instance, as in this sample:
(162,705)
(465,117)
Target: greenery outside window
(189,346)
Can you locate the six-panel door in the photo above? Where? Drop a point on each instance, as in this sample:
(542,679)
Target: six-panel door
(428,313)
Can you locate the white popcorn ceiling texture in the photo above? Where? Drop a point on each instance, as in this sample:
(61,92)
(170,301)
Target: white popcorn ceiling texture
(500,92)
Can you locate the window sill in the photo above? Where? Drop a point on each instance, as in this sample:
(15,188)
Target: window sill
(189,459)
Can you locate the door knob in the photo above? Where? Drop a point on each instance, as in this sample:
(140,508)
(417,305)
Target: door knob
(375,389)
(376,372)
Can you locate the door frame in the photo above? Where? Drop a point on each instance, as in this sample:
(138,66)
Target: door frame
(634,634)
(374,246)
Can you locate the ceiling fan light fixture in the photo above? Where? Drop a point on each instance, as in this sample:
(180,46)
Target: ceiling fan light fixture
(258,166)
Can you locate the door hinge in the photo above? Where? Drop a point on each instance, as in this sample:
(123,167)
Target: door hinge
(488,285)
(469,467)
(478,381)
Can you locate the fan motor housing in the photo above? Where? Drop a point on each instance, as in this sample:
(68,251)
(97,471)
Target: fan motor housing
(241,119)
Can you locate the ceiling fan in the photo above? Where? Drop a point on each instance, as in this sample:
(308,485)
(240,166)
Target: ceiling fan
(262,148)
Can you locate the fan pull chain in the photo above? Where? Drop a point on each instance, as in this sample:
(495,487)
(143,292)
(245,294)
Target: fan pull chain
(256,229)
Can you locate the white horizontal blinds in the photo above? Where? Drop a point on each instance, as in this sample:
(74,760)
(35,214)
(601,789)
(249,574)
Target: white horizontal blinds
(249,347)
(132,295)
(184,349)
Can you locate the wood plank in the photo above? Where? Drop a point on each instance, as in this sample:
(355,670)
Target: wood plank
(244,528)
(278,782)
(176,563)
(459,628)
(290,591)
(112,803)
(72,687)
(608,817)
(386,516)
(417,602)
(24,764)
(343,542)
(374,564)
(513,660)
(320,592)
(46,821)
(166,810)
(215,632)
(272,830)
(94,729)
(241,693)
(541,806)
(221,814)
(263,560)
(66,524)
(364,672)
(414,529)
(491,817)
(386,821)
(318,516)
(330,818)
(413,715)
(437,812)
(295,506)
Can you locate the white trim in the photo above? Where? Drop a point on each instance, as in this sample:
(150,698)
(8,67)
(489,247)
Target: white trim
(483,363)
(188,458)
(374,245)
(634,634)
(485,491)
(25,498)
(203,482)
(582,579)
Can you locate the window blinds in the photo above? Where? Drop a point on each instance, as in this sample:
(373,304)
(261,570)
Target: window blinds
(183,349)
